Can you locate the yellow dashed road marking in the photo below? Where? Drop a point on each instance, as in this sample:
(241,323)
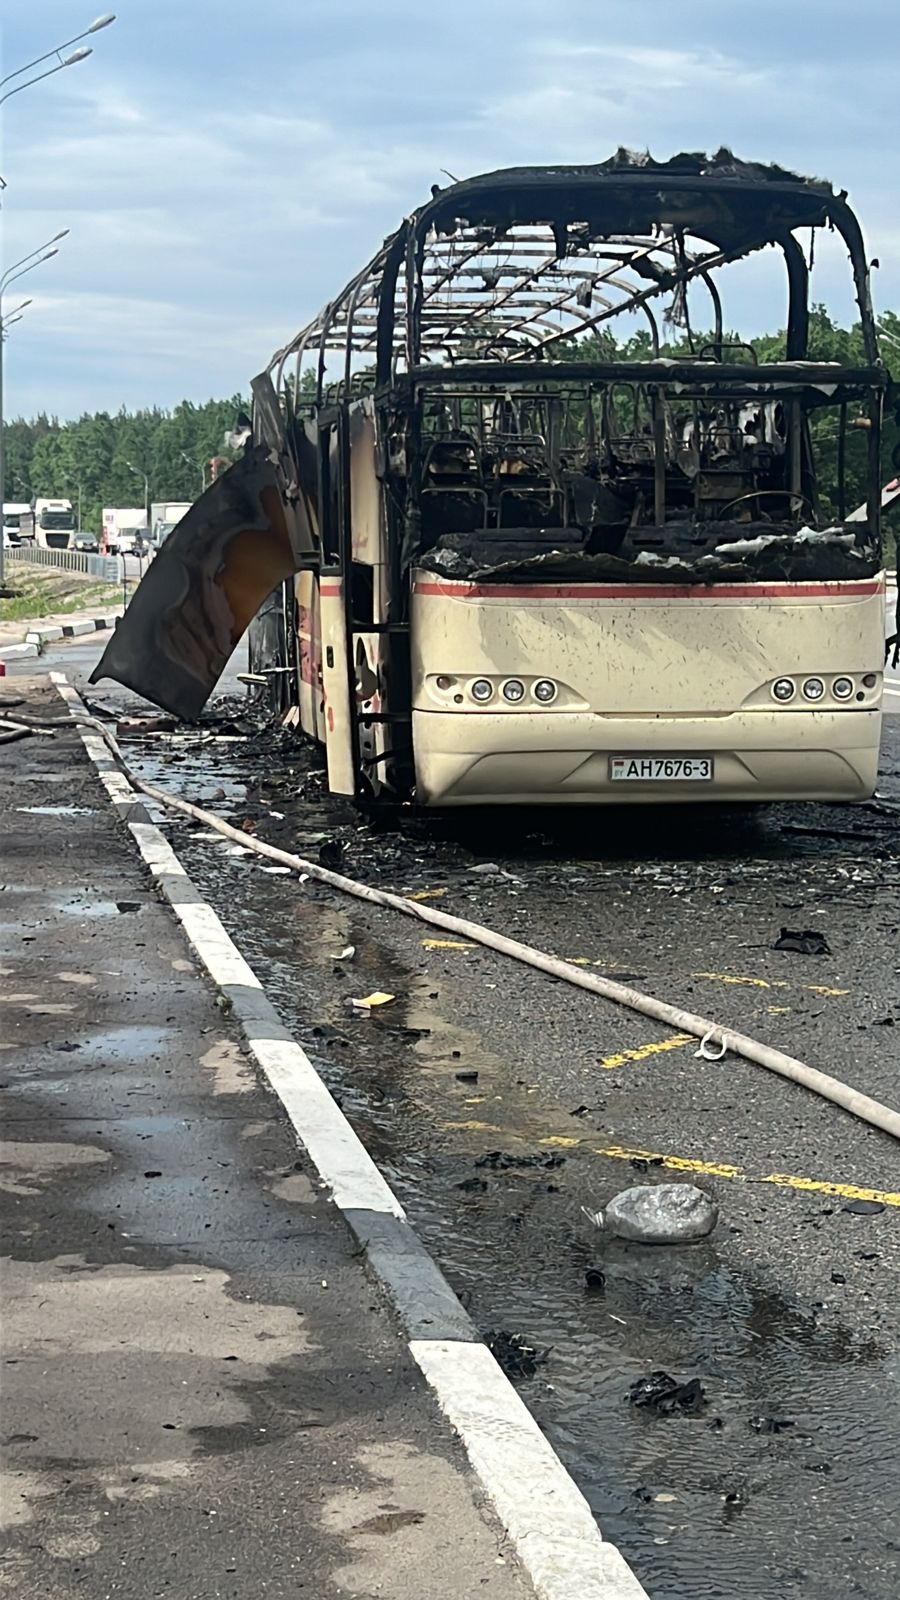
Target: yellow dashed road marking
(768,983)
(643,1051)
(845,1191)
(446,944)
(474,1127)
(739,979)
(709,1169)
(783,1180)
(750,983)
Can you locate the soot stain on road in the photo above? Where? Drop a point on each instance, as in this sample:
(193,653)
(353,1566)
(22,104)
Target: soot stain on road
(703,1505)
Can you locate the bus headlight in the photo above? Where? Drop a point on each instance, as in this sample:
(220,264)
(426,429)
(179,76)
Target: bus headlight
(514,690)
(842,688)
(783,689)
(481,690)
(813,689)
(544,690)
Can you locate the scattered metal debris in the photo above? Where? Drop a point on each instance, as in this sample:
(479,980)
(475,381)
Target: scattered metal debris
(371,1002)
(501,1161)
(771,1424)
(514,1355)
(666,1396)
(808,942)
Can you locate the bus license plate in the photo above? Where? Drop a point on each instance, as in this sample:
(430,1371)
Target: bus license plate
(660,769)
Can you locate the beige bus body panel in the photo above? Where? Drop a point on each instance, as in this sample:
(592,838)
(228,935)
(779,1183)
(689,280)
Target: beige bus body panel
(645,670)
(371,650)
(336,687)
(309,656)
(365,490)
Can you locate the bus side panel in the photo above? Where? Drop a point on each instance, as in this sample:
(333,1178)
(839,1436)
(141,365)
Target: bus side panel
(365,489)
(309,656)
(371,650)
(336,688)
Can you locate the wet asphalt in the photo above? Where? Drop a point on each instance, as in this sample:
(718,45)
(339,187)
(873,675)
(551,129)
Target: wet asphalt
(203,1393)
(788,1481)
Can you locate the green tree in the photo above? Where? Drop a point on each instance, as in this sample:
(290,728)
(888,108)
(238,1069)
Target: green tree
(89,457)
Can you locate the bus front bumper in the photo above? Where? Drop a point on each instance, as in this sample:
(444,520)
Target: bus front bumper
(533,758)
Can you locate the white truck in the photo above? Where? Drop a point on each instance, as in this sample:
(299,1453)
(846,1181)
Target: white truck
(165,516)
(51,524)
(13,513)
(123,528)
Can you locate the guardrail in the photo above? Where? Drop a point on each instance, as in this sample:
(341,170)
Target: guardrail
(109,568)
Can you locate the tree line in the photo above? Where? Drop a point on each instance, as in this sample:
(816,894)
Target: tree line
(103,459)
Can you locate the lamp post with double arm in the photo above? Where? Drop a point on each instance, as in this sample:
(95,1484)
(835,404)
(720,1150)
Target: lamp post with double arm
(17,270)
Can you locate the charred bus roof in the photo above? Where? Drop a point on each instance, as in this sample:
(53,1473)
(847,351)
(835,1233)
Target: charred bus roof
(513,267)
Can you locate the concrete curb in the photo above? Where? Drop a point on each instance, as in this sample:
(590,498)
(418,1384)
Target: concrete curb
(543,1511)
(41,636)
(36,638)
(15,652)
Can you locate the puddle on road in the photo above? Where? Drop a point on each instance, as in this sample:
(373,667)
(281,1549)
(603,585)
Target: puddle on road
(77,906)
(751,1515)
(201,775)
(133,1043)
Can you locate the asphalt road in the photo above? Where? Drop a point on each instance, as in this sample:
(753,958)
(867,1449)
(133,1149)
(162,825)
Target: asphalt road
(204,1394)
(788,1484)
(77,658)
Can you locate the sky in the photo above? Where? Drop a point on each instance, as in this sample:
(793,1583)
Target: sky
(225,167)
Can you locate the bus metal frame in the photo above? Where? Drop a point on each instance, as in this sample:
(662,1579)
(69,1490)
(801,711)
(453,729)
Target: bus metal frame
(411,395)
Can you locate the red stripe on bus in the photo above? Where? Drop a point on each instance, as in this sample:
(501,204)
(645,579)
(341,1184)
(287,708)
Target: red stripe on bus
(331,590)
(647,591)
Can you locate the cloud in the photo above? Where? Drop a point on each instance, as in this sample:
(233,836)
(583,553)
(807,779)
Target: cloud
(224,170)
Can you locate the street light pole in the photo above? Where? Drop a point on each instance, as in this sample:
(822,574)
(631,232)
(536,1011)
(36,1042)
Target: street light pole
(96,25)
(139,474)
(77,55)
(185,457)
(17,270)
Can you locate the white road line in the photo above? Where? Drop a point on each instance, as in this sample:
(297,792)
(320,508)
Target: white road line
(549,1520)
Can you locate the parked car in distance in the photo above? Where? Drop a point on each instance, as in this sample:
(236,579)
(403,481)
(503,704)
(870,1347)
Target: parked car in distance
(11,537)
(87,543)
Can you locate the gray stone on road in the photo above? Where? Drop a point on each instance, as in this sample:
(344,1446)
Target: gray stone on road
(663,1213)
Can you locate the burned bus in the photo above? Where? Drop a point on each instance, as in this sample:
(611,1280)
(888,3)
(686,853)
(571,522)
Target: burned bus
(509,564)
